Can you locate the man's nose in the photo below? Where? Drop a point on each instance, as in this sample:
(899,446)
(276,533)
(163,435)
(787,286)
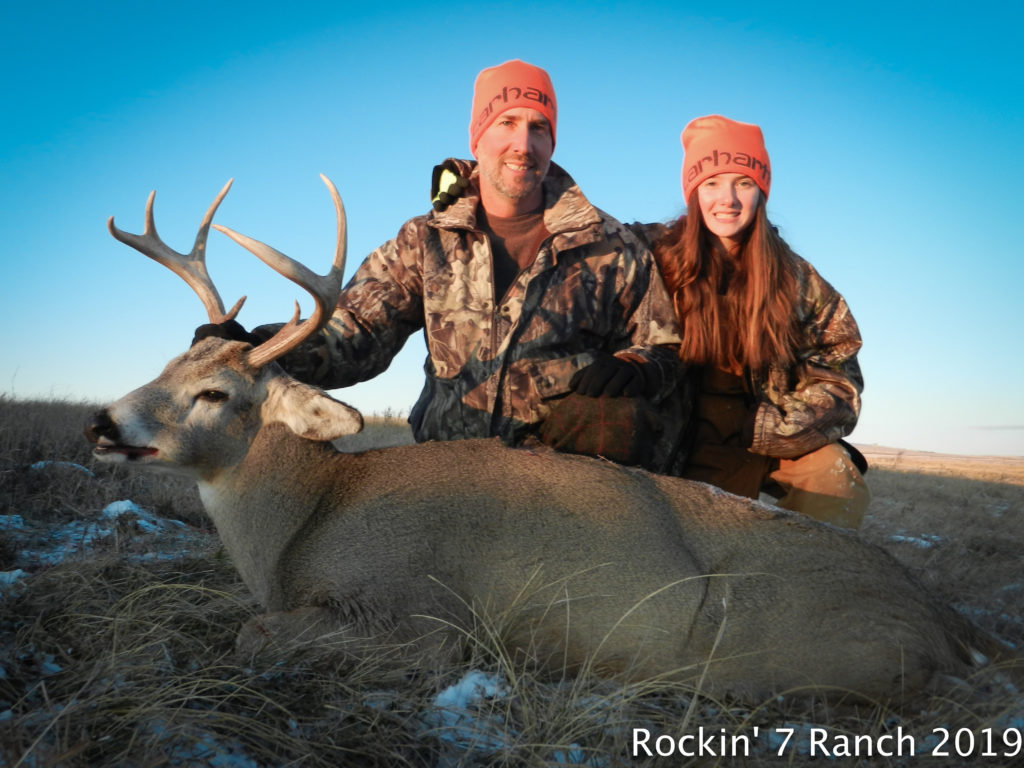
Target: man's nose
(521,139)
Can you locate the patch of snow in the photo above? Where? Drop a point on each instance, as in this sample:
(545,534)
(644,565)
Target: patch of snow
(65,541)
(975,612)
(575,756)
(49,667)
(52,546)
(12,523)
(67,464)
(456,715)
(10,577)
(924,541)
(11,582)
(145,520)
(998,509)
(202,748)
(474,686)
(463,716)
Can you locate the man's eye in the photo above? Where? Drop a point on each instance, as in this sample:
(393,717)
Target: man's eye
(212,396)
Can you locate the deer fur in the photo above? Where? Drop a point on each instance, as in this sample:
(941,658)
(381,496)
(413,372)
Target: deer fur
(590,564)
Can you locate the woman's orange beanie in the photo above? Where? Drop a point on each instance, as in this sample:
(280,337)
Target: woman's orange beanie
(716,144)
(506,86)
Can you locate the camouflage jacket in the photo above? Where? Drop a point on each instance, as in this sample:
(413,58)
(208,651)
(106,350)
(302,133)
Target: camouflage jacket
(495,362)
(801,407)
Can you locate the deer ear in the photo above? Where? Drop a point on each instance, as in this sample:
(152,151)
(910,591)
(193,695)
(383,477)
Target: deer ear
(308,411)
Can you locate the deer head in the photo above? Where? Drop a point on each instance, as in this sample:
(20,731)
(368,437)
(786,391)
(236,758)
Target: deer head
(202,413)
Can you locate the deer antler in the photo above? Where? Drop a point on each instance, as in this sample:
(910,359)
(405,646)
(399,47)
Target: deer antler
(323,288)
(189,267)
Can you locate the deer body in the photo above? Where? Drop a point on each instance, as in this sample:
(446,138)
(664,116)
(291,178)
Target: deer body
(581,562)
(584,561)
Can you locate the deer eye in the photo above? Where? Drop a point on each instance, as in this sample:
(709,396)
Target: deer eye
(212,396)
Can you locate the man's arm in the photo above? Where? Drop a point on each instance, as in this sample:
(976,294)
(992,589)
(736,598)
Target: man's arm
(379,308)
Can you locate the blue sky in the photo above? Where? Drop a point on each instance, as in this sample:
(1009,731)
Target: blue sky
(896,133)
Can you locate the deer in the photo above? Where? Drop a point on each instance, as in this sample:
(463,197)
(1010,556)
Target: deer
(588,564)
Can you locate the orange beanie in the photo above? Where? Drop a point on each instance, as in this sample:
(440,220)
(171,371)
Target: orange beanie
(716,144)
(506,86)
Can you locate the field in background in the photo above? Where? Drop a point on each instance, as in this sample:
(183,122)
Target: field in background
(998,469)
(118,612)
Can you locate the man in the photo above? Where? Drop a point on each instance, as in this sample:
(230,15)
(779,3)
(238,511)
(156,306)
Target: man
(542,315)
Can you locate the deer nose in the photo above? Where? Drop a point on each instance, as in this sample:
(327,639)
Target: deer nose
(101,425)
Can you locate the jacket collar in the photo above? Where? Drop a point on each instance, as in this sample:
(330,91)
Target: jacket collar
(566,209)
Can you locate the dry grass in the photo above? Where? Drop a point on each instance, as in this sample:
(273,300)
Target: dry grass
(122,654)
(996,469)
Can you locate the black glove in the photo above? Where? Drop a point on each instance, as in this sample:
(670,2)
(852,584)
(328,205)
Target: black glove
(609,376)
(446,185)
(231,330)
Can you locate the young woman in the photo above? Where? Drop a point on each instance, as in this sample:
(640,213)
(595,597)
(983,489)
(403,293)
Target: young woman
(772,345)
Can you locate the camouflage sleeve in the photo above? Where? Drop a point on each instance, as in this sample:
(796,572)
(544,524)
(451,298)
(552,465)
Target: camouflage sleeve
(651,323)
(379,309)
(822,401)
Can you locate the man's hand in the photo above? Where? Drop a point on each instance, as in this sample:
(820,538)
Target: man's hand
(609,376)
(446,185)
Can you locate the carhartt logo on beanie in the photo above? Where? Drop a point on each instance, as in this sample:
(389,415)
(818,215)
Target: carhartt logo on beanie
(716,144)
(506,86)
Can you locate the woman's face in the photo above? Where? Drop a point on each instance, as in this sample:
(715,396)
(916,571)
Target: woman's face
(728,203)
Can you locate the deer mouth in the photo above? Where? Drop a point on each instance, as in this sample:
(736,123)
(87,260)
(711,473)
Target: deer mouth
(104,450)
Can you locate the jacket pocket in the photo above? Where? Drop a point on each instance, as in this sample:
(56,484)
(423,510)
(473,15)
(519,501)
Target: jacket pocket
(441,414)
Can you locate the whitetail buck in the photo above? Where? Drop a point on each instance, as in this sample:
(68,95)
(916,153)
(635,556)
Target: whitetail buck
(585,563)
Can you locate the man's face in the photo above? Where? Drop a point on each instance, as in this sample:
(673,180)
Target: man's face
(514,154)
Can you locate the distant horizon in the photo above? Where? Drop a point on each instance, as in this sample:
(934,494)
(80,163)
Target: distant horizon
(880,448)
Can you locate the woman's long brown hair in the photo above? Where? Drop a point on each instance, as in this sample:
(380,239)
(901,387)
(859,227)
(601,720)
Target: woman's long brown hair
(736,312)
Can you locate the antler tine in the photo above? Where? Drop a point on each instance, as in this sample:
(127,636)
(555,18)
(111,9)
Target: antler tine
(323,288)
(189,267)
